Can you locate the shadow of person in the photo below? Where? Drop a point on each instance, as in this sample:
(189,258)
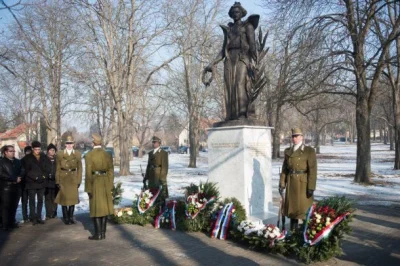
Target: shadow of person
(257,198)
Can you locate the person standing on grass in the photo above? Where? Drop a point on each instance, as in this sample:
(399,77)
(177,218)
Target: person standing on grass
(68,179)
(299,178)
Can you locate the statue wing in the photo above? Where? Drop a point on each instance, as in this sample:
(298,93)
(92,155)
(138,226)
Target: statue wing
(253,20)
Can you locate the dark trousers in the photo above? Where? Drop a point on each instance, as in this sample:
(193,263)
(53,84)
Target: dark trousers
(9,204)
(35,213)
(24,203)
(23,196)
(49,197)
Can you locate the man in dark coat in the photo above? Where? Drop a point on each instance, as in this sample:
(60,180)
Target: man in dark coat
(299,177)
(35,182)
(157,168)
(23,191)
(99,182)
(51,189)
(10,176)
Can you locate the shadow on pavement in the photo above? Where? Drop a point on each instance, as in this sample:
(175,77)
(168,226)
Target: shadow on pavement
(375,239)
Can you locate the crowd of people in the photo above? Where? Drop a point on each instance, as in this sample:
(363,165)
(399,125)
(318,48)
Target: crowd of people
(35,179)
(53,178)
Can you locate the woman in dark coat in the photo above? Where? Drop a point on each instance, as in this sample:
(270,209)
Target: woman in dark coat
(51,189)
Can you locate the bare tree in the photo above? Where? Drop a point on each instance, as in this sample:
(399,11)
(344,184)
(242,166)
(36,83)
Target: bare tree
(125,36)
(195,39)
(353,42)
(44,36)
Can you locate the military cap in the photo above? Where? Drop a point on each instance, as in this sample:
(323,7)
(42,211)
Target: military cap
(296,131)
(96,139)
(156,139)
(70,140)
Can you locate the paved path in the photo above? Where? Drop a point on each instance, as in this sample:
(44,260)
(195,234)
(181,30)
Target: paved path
(375,241)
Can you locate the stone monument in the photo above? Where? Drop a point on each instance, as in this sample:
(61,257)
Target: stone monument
(240,147)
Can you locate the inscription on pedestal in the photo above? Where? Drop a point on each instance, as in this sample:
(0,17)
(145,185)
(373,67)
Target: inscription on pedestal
(225,145)
(257,148)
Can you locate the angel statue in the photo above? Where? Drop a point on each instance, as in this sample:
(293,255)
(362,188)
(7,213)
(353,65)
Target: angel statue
(240,52)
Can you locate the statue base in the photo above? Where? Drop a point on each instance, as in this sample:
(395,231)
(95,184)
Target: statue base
(239,161)
(239,122)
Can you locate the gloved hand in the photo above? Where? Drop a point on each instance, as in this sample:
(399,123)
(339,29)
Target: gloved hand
(79,185)
(281,190)
(310,193)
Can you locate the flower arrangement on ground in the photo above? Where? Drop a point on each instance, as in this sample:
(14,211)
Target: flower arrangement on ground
(147,198)
(258,235)
(226,215)
(193,214)
(117,193)
(321,235)
(166,218)
(131,215)
(198,197)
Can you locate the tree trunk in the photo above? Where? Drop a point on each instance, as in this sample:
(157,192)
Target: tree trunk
(374,130)
(115,138)
(391,139)
(396,105)
(363,167)
(276,142)
(192,142)
(124,148)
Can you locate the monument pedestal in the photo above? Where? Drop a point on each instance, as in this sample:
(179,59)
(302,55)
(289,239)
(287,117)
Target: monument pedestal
(239,162)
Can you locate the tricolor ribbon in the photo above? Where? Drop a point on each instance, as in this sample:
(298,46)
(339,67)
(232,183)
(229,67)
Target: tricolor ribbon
(221,225)
(324,233)
(193,216)
(150,204)
(169,208)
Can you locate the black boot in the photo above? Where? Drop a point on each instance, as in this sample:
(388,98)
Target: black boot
(103,227)
(294,224)
(65,214)
(97,228)
(71,214)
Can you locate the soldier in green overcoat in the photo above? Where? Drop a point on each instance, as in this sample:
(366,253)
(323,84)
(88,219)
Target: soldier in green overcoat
(157,168)
(99,182)
(299,177)
(68,179)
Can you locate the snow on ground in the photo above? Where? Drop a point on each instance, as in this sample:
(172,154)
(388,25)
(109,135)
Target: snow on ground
(336,168)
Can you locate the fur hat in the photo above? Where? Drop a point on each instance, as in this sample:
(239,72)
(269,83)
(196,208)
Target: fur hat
(51,146)
(296,131)
(36,144)
(96,139)
(27,148)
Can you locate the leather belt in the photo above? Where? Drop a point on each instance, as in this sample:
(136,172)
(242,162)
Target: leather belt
(99,172)
(68,170)
(291,171)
